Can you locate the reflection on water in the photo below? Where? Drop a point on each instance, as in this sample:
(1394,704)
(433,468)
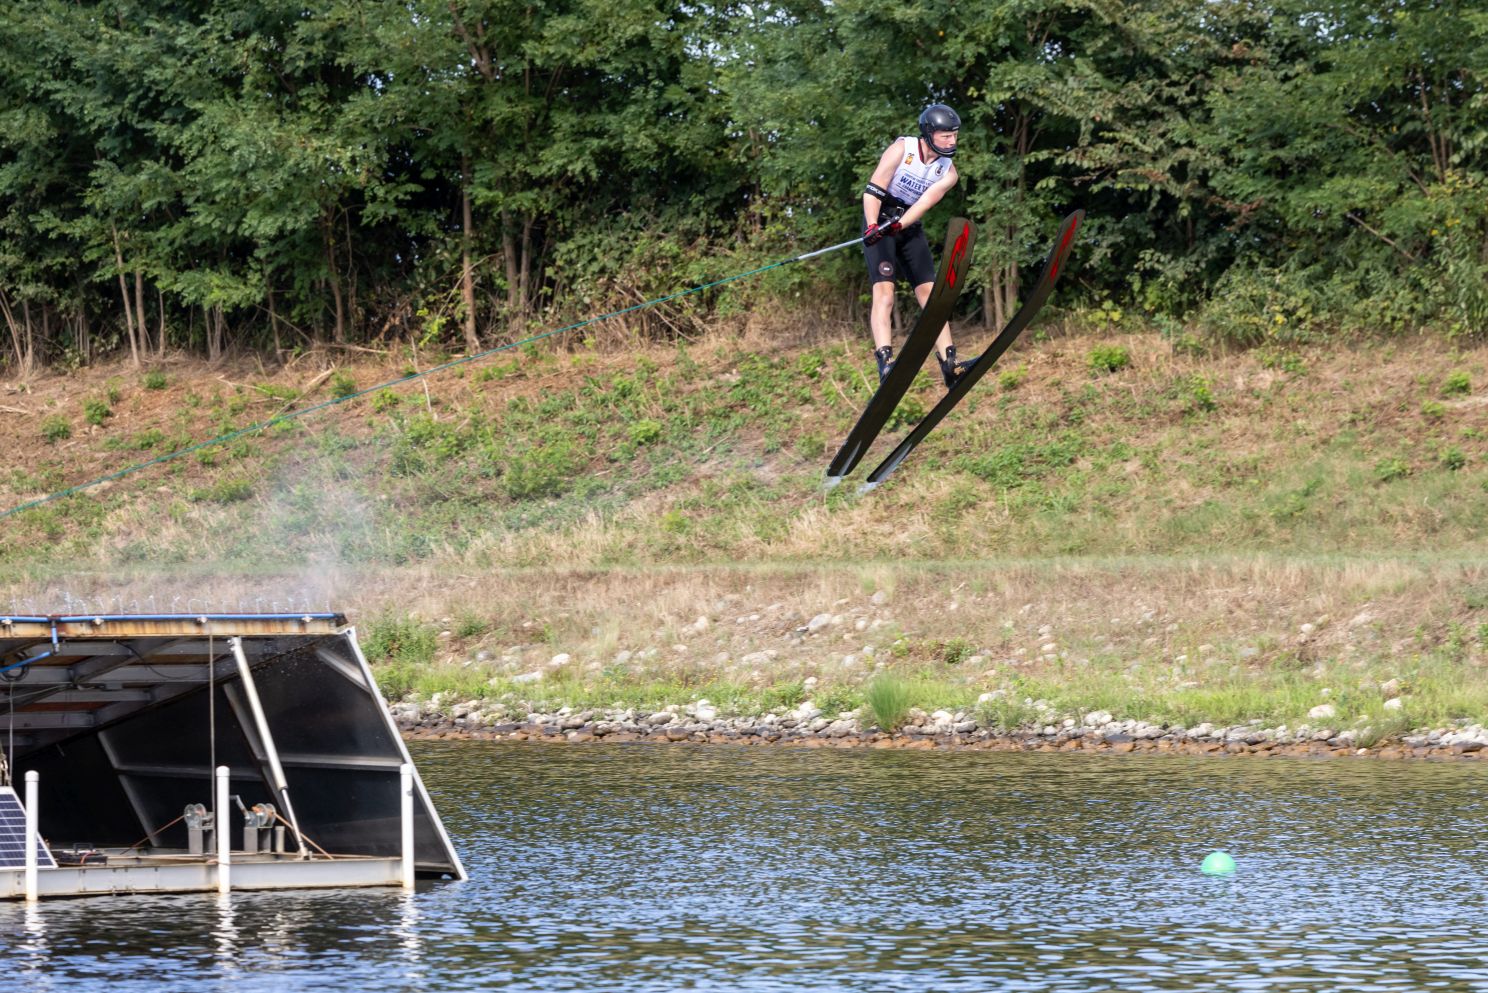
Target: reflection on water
(647,867)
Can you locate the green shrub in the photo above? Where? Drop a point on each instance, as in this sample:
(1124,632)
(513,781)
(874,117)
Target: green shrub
(1286,361)
(1262,306)
(286,393)
(147,440)
(956,651)
(155,380)
(498,371)
(1391,469)
(400,640)
(1105,359)
(1433,410)
(811,445)
(1187,343)
(342,386)
(223,491)
(645,432)
(424,435)
(781,695)
(1383,728)
(810,365)
(1201,397)
(1014,464)
(55,429)
(910,411)
(469,625)
(838,700)
(543,471)
(96,410)
(1457,384)
(1453,459)
(888,699)
(1006,711)
(1011,379)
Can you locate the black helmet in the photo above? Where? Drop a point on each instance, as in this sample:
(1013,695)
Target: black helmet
(938,117)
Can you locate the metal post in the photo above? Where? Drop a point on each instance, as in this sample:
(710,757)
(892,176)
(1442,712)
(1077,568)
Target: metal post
(33,778)
(405,793)
(271,753)
(224,836)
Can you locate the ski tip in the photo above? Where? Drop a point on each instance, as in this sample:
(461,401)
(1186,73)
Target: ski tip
(831,483)
(867,488)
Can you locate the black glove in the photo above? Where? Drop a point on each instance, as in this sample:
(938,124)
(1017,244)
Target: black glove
(875,232)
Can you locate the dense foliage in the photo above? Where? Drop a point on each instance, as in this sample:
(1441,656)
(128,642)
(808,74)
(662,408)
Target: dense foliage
(214,173)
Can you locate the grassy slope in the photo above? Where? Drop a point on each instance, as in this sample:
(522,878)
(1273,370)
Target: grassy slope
(1169,526)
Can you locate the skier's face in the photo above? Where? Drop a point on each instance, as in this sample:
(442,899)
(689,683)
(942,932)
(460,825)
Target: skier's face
(944,139)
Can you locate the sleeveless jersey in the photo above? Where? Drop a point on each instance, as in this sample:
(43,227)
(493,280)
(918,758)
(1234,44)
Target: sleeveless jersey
(914,175)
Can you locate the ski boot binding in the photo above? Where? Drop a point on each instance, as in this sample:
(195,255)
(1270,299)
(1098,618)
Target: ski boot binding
(952,368)
(885,358)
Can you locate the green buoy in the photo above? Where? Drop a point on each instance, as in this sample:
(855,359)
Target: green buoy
(1217,864)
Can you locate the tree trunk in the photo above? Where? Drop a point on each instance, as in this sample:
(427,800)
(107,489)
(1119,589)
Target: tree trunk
(124,295)
(215,332)
(467,277)
(21,340)
(83,331)
(82,334)
(351,272)
(335,282)
(139,311)
(160,331)
(522,294)
(509,258)
(274,325)
(991,304)
(1023,141)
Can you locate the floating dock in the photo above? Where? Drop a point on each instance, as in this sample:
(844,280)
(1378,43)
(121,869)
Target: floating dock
(200,752)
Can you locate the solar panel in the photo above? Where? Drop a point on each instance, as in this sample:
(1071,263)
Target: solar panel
(13,834)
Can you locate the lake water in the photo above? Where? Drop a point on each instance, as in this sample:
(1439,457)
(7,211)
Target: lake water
(654,867)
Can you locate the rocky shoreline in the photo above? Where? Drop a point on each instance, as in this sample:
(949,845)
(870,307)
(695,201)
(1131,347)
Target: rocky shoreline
(806,726)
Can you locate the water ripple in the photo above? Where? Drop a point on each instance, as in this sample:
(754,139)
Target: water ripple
(720,869)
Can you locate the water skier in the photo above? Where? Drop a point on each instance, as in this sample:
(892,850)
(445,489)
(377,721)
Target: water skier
(913,174)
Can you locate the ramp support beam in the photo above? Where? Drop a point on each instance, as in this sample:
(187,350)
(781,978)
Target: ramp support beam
(271,752)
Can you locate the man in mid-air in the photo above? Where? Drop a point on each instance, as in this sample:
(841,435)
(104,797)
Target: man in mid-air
(913,174)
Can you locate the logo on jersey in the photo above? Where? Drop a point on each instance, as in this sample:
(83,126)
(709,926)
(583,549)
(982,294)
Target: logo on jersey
(915,185)
(909,158)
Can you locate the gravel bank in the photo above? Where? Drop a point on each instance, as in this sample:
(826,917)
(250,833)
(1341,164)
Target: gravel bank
(807,726)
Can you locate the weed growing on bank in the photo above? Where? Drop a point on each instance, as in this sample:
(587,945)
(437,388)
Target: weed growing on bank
(888,700)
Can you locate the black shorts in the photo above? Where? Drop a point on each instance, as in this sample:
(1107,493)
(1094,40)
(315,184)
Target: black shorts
(903,256)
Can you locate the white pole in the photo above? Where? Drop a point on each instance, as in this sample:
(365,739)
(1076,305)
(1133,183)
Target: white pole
(266,737)
(405,773)
(33,779)
(224,836)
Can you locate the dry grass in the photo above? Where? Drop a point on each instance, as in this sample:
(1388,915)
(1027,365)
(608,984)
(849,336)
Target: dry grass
(1217,638)
(1127,607)
(1171,544)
